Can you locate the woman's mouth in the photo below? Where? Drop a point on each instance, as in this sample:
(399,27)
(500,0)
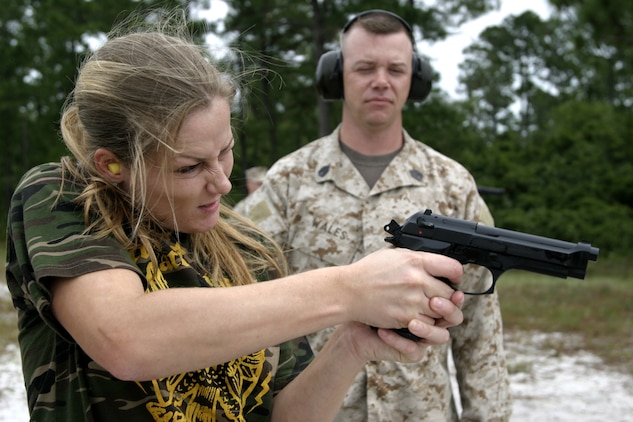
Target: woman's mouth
(210,207)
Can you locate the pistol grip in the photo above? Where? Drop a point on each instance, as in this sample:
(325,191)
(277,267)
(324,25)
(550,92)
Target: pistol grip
(404,332)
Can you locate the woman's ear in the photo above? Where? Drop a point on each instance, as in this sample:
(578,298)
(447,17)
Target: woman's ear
(109,165)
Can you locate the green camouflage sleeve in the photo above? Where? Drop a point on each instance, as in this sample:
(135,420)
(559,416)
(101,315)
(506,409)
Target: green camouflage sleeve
(294,357)
(45,238)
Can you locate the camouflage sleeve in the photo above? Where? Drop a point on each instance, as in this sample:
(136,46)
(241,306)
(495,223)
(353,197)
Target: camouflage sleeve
(294,357)
(485,217)
(45,238)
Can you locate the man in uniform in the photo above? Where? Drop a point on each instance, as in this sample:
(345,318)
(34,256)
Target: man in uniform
(328,202)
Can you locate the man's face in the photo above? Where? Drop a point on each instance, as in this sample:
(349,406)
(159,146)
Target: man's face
(376,76)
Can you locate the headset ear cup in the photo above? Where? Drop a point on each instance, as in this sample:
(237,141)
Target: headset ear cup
(421,79)
(329,75)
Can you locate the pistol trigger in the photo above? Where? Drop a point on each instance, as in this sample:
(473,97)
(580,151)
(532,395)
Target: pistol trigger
(404,332)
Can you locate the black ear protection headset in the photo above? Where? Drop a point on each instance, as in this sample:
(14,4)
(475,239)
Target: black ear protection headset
(329,71)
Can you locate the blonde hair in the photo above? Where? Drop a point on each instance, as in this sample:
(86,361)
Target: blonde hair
(131,97)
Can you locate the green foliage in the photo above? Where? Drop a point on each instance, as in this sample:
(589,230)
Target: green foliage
(571,179)
(41,44)
(564,157)
(605,44)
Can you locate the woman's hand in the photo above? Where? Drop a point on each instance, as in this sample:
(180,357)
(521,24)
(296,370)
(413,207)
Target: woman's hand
(384,344)
(393,287)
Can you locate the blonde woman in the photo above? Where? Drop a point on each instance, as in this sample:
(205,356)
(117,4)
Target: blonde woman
(140,296)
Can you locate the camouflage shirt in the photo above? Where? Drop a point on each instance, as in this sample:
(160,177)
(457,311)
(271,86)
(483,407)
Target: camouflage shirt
(318,206)
(45,239)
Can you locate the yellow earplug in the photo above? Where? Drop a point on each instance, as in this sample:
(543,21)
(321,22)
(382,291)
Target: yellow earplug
(115,168)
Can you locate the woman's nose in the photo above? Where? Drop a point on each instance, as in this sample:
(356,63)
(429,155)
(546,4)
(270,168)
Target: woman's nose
(218,182)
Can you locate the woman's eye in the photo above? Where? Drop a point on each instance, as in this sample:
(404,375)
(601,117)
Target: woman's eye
(188,169)
(226,152)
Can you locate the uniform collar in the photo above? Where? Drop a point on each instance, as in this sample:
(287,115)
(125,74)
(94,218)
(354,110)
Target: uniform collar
(332,165)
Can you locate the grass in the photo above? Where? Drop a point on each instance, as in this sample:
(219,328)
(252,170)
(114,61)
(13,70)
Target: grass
(599,309)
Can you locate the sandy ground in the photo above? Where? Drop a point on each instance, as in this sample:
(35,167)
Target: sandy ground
(550,387)
(546,386)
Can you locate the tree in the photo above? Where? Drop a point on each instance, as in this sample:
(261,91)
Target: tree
(562,154)
(505,71)
(42,44)
(577,180)
(607,34)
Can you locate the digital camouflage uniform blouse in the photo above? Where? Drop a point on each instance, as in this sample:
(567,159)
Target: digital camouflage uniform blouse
(63,383)
(317,206)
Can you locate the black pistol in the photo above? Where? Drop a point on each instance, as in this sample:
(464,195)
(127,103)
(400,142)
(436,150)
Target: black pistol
(499,250)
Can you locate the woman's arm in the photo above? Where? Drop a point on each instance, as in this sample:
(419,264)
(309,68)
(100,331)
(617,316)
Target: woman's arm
(139,336)
(318,392)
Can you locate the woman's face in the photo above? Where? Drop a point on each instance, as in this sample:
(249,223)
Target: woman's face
(198,175)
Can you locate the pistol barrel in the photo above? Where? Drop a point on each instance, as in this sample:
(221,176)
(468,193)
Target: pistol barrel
(495,248)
